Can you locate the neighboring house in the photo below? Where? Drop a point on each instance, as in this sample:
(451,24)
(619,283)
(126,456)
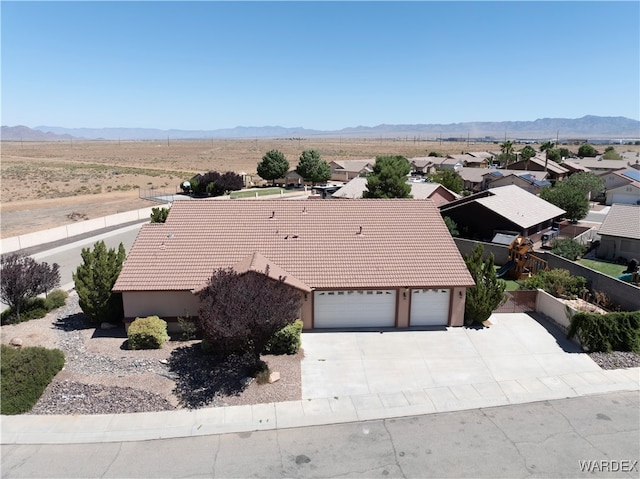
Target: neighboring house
(478,179)
(555,171)
(346,170)
(419,191)
(620,233)
(598,165)
(506,208)
(448,163)
(526,181)
(574,167)
(363,263)
(290,179)
(622,186)
(472,160)
(423,165)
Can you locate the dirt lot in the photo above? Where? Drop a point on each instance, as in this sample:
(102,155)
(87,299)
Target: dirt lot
(48,184)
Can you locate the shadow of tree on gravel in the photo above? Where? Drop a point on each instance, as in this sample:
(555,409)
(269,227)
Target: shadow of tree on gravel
(202,378)
(73,322)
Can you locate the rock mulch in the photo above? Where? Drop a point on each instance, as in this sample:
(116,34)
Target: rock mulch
(101,376)
(616,359)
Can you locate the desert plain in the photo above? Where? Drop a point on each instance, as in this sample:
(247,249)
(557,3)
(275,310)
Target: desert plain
(49,184)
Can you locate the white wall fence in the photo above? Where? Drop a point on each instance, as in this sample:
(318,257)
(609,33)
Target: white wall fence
(15,243)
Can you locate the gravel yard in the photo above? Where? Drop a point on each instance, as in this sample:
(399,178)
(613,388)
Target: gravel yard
(101,376)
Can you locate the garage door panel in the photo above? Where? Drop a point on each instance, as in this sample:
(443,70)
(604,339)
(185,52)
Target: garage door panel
(430,307)
(348,309)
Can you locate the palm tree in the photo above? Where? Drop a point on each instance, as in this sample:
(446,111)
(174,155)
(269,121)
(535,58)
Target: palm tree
(546,147)
(507,150)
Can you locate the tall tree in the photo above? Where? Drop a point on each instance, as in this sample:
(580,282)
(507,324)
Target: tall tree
(450,179)
(571,199)
(547,147)
(24,278)
(94,280)
(527,153)
(507,151)
(274,165)
(488,293)
(589,183)
(313,168)
(587,150)
(389,178)
(242,312)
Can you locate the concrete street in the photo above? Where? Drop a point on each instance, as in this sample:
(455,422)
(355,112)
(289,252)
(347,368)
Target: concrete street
(543,439)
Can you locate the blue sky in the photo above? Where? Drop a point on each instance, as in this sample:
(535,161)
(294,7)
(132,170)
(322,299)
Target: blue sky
(321,65)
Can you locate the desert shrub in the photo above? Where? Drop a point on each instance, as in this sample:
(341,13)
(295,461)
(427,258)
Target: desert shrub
(56,299)
(25,373)
(147,333)
(567,248)
(557,282)
(618,331)
(263,374)
(287,340)
(34,308)
(188,327)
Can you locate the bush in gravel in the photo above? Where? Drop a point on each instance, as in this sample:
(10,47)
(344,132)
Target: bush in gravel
(147,333)
(618,331)
(287,340)
(25,373)
(35,308)
(56,299)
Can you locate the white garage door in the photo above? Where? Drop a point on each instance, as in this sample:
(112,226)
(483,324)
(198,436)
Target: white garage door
(429,307)
(354,309)
(624,198)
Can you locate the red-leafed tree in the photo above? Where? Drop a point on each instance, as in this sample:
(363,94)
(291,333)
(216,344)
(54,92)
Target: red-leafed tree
(24,278)
(239,313)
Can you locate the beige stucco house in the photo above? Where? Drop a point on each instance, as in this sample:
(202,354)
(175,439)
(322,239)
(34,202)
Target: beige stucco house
(620,233)
(354,262)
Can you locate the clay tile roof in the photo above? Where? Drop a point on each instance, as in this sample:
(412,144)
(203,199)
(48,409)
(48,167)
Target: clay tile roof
(259,264)
(322,244)
(623,221)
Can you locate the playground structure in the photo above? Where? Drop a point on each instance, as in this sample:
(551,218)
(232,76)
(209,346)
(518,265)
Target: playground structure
(522,262)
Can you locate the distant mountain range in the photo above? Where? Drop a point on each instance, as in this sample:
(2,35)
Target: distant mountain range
(587,127)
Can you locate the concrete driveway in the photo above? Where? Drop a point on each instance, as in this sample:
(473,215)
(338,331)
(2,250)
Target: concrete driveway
(516,352)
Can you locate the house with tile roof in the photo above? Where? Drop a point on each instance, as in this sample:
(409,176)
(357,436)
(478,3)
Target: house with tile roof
(361,263)
(419,191)
(555,170)
(478,179)
(345,170)
(505,208)
(422,165)
(620,233)
(622,186)
(525,180)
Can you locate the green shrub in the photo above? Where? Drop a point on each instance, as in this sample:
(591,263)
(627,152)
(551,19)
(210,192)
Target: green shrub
(25,373)
(568,248)
(56,299)
(147,333)
(287,340)
(35,308)
(557,282)
(607,332)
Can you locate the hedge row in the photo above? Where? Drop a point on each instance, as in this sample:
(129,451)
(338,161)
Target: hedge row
(607,332)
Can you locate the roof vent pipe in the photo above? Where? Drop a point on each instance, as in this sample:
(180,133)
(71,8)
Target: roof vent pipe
(359,231)
(273,214)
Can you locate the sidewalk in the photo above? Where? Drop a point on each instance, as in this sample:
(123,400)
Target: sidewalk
(28,429)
